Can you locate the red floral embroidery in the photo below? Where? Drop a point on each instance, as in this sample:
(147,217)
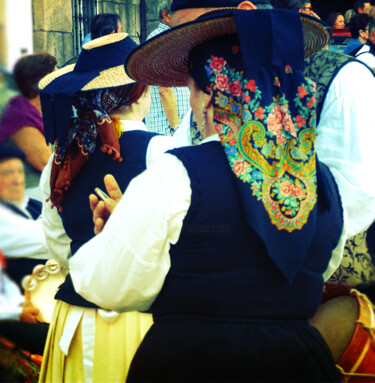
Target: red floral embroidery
(277,81)
(239,167)
(280,120)
(251,85)
(288,69)
(297,191)
(247,99)
(309,104)
(235,48)
(300,121)
(235,88)
(286,188)
(217,64)
(222,82)
(259,113)
(302,92)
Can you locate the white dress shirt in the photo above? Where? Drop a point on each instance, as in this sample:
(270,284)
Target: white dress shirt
(366,56)
(11,299)
(22,237)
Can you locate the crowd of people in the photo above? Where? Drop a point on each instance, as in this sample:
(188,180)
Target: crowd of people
(208,192)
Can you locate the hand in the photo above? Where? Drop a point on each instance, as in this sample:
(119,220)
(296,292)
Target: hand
(103,209)
(29,314)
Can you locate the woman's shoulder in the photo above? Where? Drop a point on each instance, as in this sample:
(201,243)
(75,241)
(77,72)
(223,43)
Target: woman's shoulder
(18,113)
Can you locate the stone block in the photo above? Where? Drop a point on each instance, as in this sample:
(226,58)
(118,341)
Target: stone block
(57,44)
(53,15)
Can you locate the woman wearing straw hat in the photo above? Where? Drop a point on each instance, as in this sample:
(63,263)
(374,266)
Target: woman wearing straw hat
(236,232)
(93,113)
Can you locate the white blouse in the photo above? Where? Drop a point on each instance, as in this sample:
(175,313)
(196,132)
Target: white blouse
(135,251)
(57,240)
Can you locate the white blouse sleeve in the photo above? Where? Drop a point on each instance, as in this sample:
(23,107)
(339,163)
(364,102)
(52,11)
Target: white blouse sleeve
(123,268)
(58,241)
(22,237)
(345,142)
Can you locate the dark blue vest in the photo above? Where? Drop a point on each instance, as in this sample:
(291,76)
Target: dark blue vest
(77,216)
(220,268)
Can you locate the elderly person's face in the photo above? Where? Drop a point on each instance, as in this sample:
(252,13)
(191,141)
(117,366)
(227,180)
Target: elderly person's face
(12,180)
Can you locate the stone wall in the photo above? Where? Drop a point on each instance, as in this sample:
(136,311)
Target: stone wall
(52,28)
(53,23)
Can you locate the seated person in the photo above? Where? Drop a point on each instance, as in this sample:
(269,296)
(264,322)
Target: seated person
(18,339)
(357,26)
(336,20)
(21,123)
(21,232)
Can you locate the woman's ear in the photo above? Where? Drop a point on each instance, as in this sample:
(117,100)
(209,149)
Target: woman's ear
(246,5)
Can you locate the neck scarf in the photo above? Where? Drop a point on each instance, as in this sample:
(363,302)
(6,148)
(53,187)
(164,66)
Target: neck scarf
(91,119)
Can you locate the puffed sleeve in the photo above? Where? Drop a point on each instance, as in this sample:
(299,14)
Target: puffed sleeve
(124,267)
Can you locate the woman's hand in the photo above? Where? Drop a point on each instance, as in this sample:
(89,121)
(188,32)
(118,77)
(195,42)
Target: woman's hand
(103,209)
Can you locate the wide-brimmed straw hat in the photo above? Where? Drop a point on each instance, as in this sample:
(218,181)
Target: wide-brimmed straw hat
(103,58)
(100,65)
(163,60)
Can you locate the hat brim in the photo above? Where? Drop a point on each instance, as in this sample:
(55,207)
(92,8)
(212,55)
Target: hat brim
(163,60)
(108,78)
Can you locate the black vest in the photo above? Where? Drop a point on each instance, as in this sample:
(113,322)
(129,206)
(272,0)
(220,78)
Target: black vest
(220,267)
(77,216)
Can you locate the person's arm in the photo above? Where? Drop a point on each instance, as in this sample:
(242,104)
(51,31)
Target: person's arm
(56,238)
(344,142)
(169,103)
(132,251)
(32,142)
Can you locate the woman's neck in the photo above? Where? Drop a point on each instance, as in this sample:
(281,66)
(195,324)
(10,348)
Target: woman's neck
(36,102)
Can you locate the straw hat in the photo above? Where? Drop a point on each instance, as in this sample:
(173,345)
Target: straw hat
(100,65)
(163,60)
(103,58)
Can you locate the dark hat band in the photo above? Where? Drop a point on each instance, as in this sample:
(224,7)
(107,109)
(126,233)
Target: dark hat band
(8,152)
(186,4)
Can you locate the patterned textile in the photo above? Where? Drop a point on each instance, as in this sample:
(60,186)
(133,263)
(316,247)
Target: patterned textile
(267,125)
(156,120)
(356,268)
(92,119)
(322,68)
(18,364)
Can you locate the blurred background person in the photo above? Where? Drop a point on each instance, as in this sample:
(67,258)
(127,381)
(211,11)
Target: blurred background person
(21,232)
(21,123)
(371,11)
(358,27)
(168,105)
(360,6)
(336,20)
(348,15)
(103,24)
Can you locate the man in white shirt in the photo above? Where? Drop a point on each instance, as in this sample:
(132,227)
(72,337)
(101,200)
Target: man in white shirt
(21,233)
(168,105)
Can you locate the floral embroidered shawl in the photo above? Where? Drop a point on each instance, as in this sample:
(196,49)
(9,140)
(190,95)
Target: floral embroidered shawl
(266,121)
